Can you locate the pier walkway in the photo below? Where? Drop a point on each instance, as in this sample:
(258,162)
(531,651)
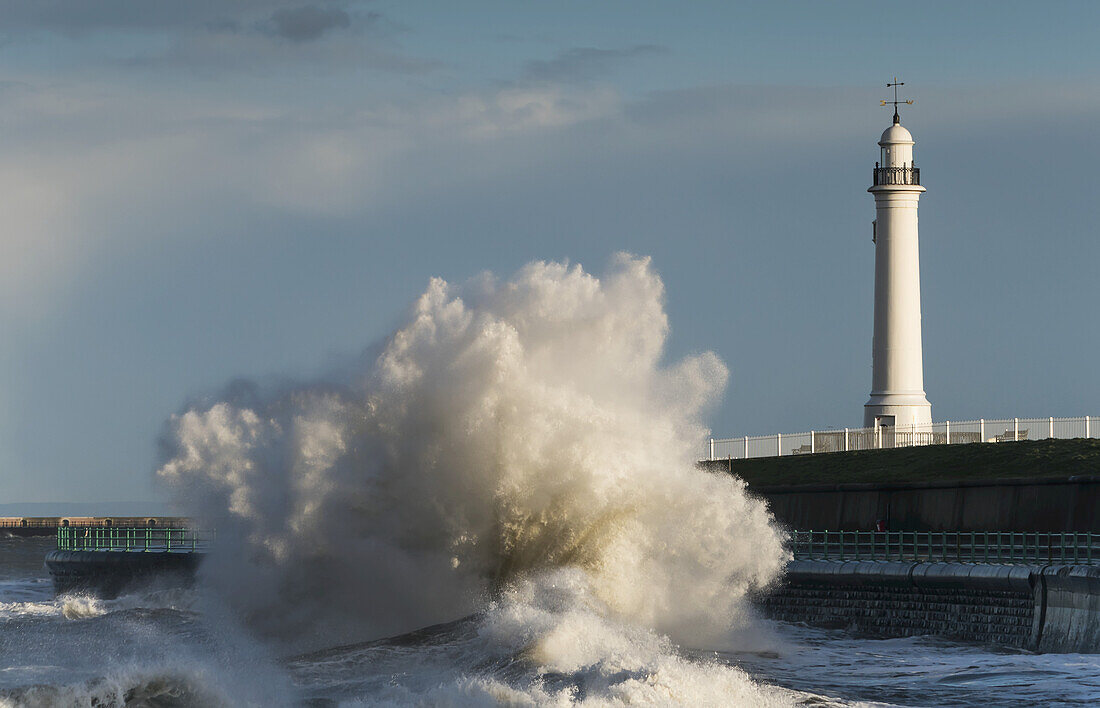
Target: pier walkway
(45,525)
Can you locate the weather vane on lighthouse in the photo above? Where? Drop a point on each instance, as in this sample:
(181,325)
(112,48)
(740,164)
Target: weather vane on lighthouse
(895,102)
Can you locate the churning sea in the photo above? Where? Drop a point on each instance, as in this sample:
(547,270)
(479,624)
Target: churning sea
(175,647)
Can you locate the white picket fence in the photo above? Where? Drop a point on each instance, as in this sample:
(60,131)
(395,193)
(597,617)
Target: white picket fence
(949,432)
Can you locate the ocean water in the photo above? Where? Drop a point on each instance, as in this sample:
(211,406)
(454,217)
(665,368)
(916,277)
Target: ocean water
(174,648)
(497,505)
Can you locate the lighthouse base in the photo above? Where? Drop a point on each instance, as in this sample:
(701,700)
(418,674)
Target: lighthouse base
(897,409)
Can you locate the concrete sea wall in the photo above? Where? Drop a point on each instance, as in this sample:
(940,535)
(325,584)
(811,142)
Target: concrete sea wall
(1044,608)
(1065,504)
(108,573)
(1072,609)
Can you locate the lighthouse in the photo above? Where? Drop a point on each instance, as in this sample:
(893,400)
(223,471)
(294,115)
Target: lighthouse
(897,378)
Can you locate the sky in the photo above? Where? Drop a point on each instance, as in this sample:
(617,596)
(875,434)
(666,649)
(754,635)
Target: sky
(194,193)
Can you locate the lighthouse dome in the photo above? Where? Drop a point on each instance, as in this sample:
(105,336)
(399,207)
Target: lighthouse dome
(896,134)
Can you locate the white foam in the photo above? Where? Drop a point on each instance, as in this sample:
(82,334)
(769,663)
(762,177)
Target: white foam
(140,687)
(556,625)
(545,642)
(79,605)
(507,427)
(521,443)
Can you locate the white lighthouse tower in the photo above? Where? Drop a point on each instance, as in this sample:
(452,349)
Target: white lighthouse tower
(897,381)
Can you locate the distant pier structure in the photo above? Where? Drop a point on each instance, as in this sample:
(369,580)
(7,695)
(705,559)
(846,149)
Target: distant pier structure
(48,525)
(897,379)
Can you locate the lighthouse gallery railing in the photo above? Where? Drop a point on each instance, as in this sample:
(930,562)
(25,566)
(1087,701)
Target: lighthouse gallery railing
(896,175)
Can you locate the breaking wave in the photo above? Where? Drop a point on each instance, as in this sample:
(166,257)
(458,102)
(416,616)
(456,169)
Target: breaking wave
(147,688)
(78,605)
(520,450)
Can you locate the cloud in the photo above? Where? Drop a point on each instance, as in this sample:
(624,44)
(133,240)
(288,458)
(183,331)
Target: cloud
(93,164)
(77,15)
(98,164)
(266,49)
(585,63)
(312,38)
(252,36)
(302,24)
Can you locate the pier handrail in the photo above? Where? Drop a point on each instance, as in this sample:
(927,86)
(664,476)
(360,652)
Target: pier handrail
(1000,547)
(134,539)
(948,432)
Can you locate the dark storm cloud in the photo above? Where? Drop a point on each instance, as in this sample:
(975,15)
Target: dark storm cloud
(585,63)
(77,15)
(213,35)
(286,19)
(261,47)
(301,24)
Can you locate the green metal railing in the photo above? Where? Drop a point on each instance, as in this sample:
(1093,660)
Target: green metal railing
(947,546)
(110,538)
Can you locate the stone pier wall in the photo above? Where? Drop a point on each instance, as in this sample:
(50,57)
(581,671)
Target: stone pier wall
(108,573)
(1046,608)
(1027,505)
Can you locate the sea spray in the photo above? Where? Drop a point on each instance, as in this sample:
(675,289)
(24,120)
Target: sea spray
(509,431)
(546,641)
